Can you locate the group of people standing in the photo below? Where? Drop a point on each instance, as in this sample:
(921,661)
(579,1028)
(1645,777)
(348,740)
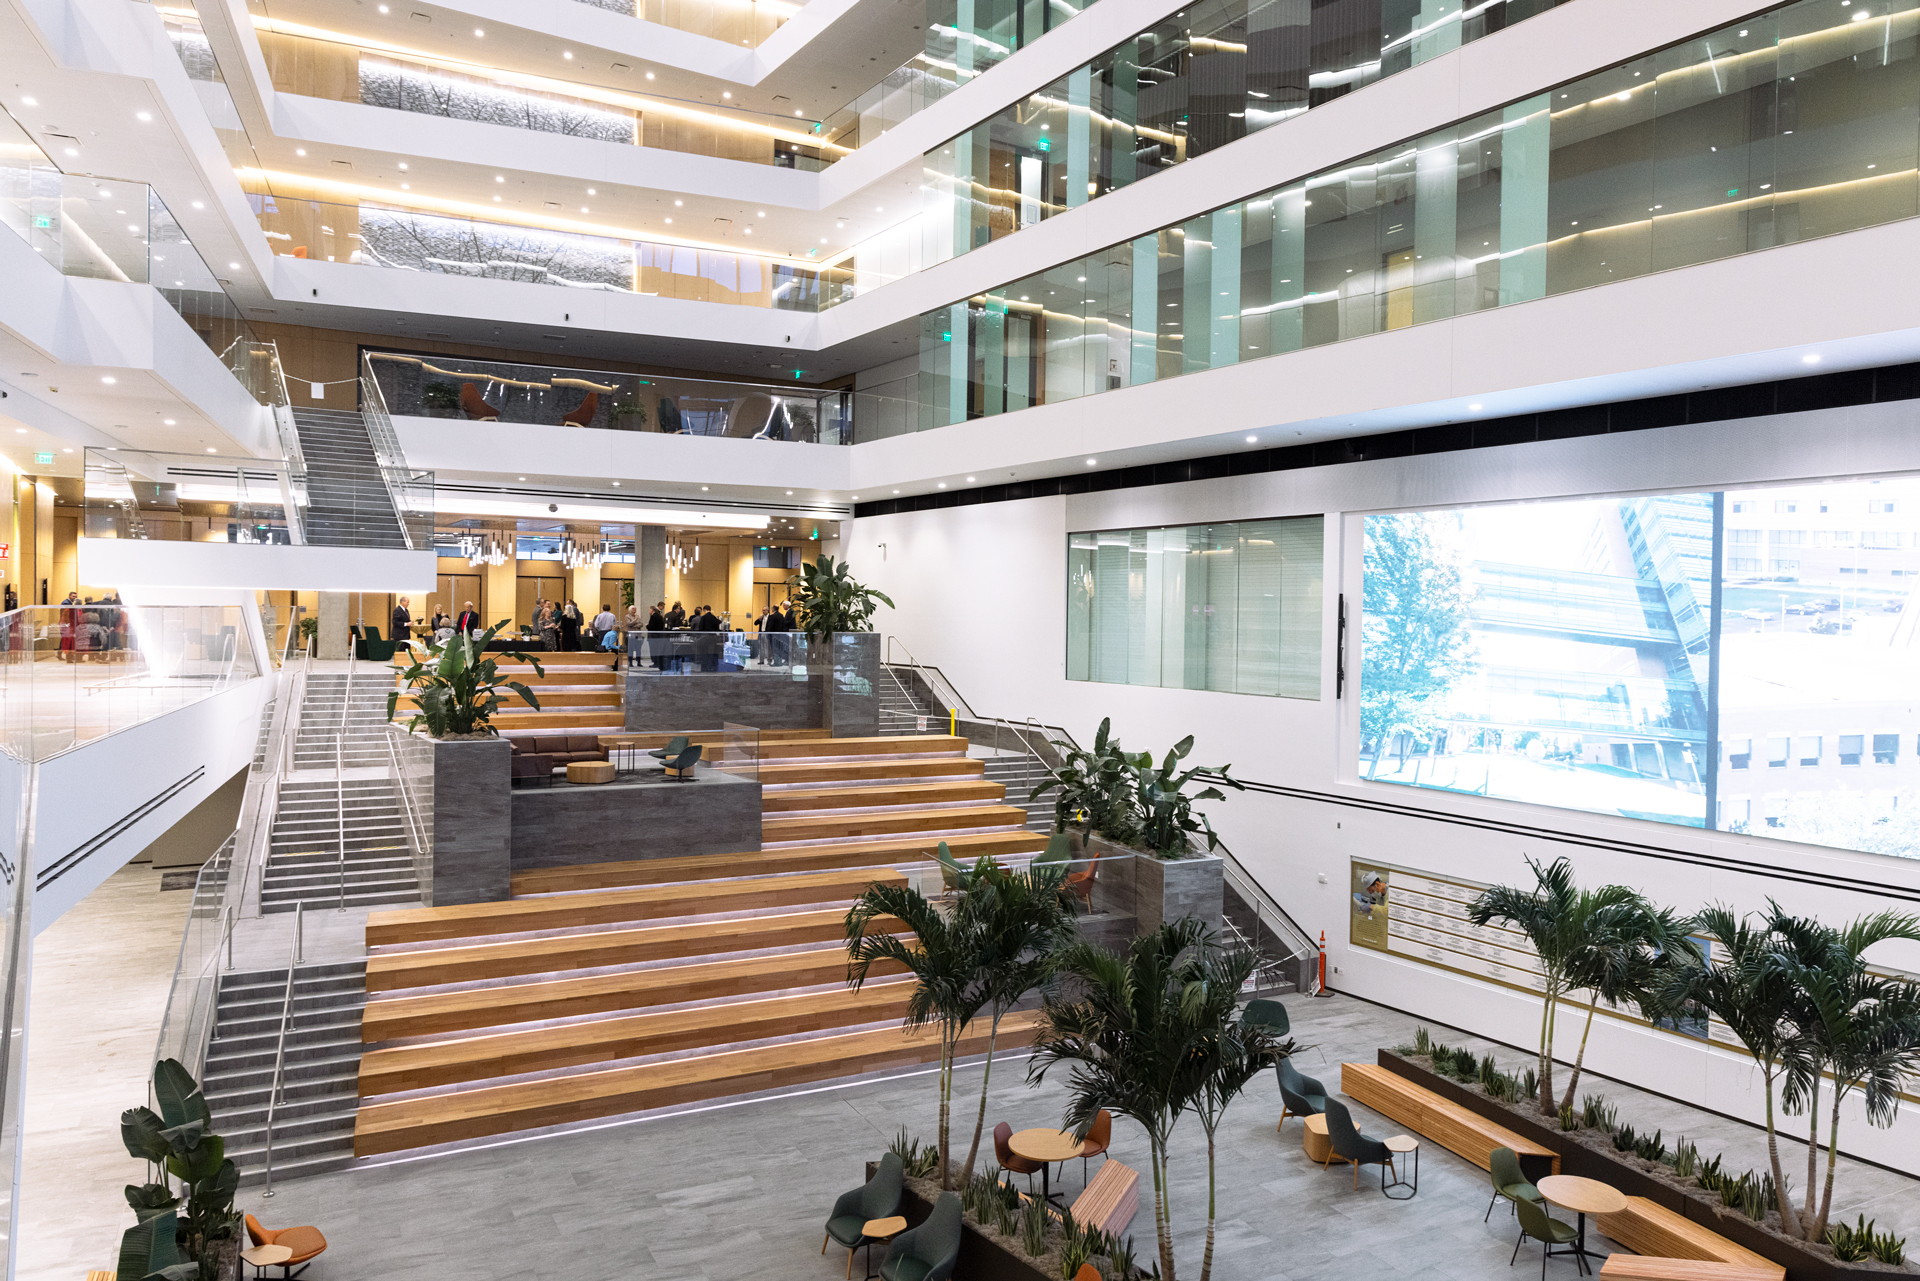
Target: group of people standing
(562,626)
(90,629)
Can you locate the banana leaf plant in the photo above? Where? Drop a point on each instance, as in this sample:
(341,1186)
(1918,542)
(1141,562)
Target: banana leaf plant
(1167,816)
(457,686)
(831,599)
(179,1139)
(1094,789)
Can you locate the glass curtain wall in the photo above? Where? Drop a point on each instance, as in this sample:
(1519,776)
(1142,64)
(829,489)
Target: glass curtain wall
(1191,83)
(1233,607)
(1797,123)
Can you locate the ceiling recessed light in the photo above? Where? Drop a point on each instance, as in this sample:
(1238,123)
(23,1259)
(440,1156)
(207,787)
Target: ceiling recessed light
(789,493)
(1811,358)
(73,151)
(969,480)
(479,32)
(499,178)
(566,55)
(299,151)
(896,491)
(1092,461)
(143,115)
(669,220)
(233,266)
(66,451)
(941,485)
(649,75)
(168,421)
(727,94)
(383,9)
(616,484)
(403,166)
(198,205)
(523,478)
(1253,440)
(593,191)
(583,209)
(31,102)
(109,381)
(212,450)
(406,186)
(21,431)
(1474,408)
(496,200)
(823,240)
(678,203)
(761,214)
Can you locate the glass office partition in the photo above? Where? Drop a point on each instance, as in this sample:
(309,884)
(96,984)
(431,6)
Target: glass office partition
(1233,607)
(494,391)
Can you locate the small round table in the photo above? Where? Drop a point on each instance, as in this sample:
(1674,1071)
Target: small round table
(1399,1146)
(1583,1197)
(1315,1141)
(880,1230)
(1045,1146)
(589,771)
(263,1257)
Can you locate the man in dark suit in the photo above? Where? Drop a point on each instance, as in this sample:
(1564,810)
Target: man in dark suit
(707,644)
(468,622)
(402,622)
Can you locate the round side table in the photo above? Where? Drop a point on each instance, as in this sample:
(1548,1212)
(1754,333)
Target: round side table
(1398,1147)
(263,1257)
(880,1230)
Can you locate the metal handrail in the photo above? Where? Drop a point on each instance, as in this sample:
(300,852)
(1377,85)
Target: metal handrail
(277,1086)
(340,772)
(416,832)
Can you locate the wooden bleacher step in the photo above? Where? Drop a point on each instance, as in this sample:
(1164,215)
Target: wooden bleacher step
(501,1006)
(830,827)
(615,907)
(965,846)
(441,966)
(602,1041)
(871,770)
(831,748)
(878,795)
(446,1118)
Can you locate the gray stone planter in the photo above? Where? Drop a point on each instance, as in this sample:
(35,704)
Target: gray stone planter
(1155,890)
(853,685)
(465,796)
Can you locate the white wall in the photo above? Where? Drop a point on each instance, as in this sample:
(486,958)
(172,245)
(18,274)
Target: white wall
(981,593)
(146,562)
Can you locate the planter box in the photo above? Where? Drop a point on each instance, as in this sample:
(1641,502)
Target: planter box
(982,1257)
(470,802)
(853,684)
(1153,890)
(1577,1158)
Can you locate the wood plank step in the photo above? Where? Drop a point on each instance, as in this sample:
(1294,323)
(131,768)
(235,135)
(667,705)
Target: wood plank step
(966,846)
(471,1114)
(548,658)
(598,677)
(510,700)
(616,907)
(878,767)
(573,722)
(464,1011)
(941,792)
(899,745)
(828,827)
(397,971)
(480,1058)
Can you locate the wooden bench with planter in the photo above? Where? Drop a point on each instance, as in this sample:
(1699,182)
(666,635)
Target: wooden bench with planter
(1109,1200)
(1659,1235)
(1640,1267)
(1455,1128)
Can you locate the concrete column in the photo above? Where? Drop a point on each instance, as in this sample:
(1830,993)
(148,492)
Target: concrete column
(649,565)
(333,625)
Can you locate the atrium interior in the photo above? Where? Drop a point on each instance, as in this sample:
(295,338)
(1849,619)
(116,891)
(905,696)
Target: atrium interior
(980,639)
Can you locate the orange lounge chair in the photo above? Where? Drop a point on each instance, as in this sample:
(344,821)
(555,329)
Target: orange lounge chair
(305,1243)
(474,407)
(582,416)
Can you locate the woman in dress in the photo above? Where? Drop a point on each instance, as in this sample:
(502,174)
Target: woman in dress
(549,626)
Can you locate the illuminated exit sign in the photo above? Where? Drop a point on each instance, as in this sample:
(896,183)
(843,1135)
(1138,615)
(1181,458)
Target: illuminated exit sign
(43,460)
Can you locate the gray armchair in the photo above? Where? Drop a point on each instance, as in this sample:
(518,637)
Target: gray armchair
(1300,1095)
(928,1252)
(1352,1146)
(1268,1014)
(878,1198)
(1503,1166)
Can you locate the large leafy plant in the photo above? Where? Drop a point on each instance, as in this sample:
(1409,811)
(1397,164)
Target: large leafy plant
(457,686)
(1167,816)
(1094,789)
(830,599)
(179,1140)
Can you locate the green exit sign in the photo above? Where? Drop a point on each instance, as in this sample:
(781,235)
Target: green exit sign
(42,223)
(43,460)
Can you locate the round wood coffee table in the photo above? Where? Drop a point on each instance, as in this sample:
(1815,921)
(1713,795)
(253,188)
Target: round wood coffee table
(1583,1197)
(1045,1146)
(589,771)
(1319,1147)
(880,1230)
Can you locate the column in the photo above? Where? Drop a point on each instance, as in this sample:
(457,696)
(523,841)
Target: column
(1526,146)
(649,566)
(1436,203)
(333,625)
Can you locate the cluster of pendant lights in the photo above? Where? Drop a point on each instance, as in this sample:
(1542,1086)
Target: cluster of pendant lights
(681,559)
(490,550)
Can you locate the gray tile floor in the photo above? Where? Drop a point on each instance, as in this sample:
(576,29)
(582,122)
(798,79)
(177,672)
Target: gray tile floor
(740,1191)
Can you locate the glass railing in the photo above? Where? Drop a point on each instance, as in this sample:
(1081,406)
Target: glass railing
(106,229)
(687,652)
(1189,84)
(186,1023)
(192,498)
(491,391)
(76,672)
(1594,182)
(459,245)
(738,22)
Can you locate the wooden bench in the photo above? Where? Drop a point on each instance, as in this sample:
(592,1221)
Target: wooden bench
(1458,1129)
(1108,1202)
(1653,1231)
(1640,1267)
(827,827)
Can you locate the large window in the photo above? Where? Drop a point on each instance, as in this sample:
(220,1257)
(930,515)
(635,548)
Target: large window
(1614,655)
(1229,607)
(1793,124)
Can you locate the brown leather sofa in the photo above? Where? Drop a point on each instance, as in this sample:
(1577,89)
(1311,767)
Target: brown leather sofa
(539,755)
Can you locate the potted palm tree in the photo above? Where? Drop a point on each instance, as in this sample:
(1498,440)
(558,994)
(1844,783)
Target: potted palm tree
(836,611)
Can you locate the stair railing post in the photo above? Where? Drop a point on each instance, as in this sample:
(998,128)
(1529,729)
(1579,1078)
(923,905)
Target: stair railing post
(230,938)
(275,1089)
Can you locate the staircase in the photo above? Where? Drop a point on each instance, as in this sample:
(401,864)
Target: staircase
(313,1125)
(903,701)
(1019,775)
(326,717)
(304,855)
(348,503)
(580,693)
(613,988)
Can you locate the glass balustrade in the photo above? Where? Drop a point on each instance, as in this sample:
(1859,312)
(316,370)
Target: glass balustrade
(494,391)
(1789,125)
(194,498)
(73,673)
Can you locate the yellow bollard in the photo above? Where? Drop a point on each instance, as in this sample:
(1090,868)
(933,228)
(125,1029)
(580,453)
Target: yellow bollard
(953,721)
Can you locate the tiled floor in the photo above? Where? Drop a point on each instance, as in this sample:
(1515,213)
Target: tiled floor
(741,1191)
